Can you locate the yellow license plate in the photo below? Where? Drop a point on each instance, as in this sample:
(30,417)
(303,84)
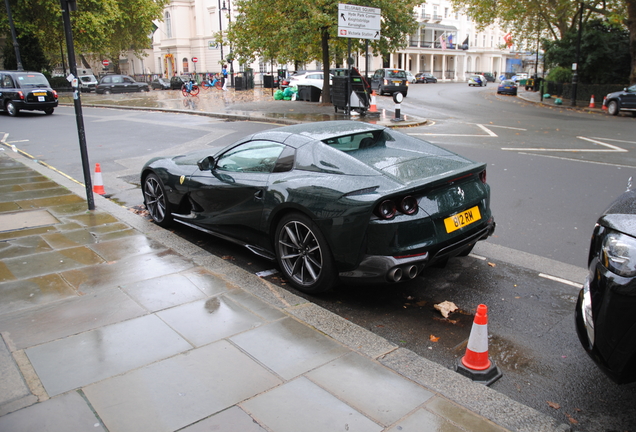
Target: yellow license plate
(40,94)
(460,220)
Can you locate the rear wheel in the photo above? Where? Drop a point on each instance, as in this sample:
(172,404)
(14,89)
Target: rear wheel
(156,201)
(106,91)
(303,254)
(195,90)
(11,109)
(612,108)
(48,111)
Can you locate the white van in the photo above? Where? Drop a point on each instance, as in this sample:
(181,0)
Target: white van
(87,83)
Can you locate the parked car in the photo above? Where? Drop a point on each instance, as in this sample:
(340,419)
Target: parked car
(425,78)
(390,81)
(87,83)
(410,77)
(476,80)
(328,200)
(119,84)
(622,101)
(177,81)
(605,312)
(312,78)
(507,87)
(160,84)
(29,91)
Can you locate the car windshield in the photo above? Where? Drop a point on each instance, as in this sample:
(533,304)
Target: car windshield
(395,74)
(32,80)
(86,79)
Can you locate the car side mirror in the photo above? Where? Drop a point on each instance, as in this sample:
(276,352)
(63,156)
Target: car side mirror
(207,163)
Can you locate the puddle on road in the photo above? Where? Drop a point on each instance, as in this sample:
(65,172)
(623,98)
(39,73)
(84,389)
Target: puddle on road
(509,356)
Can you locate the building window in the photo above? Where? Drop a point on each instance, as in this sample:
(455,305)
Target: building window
(186,69)
(483,41)
(445,12)
(168,22)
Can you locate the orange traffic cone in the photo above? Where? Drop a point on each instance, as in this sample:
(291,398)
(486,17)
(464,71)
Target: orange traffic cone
(604,103)
(475,364)
(373,108)
(592,102)
(98,183)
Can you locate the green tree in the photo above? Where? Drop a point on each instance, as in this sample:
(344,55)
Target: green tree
(300,32)
(606,48)
(552,18)
(31,55)
(100,27)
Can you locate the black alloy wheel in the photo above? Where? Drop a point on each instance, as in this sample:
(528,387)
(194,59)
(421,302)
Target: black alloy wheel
(156,201)
(303,254)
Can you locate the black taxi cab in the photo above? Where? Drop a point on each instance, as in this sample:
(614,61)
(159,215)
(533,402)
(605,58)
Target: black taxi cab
(24,90)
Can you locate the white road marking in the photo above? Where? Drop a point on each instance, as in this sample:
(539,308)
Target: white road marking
(564,281)
(481,126)
(610,148)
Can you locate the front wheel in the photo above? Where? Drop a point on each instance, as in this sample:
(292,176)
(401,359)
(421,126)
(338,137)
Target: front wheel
(195,90)
(184,90)
(156,201)
(303,254)
(612,108)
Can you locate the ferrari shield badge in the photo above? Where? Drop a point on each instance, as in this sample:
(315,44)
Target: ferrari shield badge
(181,179)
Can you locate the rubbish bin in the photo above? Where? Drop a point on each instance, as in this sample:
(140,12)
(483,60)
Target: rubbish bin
(239,82)
(248,75)
(268,81)
(309,93)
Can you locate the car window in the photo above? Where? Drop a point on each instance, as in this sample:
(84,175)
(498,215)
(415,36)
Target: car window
(7,82)
(253,156)
(106,80)
(358,141)
(128,80)
(32,80)
(395,74)
(118,79)
(378,74)
(315,76)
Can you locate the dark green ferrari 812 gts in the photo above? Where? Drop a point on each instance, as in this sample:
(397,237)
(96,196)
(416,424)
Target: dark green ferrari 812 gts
(336,200)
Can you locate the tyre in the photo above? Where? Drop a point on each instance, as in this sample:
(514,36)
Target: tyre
(156,201)
(195,90)
(303,254)
(106,91)
(11,109)
(404,93)
(218,84)
(48,111)
(612,108)
(184,91)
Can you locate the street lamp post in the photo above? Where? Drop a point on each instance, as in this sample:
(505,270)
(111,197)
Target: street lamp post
(221,27)
(229,15)
(575,66)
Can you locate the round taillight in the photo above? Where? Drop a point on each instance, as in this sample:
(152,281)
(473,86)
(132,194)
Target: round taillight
(386,209)
(408,205)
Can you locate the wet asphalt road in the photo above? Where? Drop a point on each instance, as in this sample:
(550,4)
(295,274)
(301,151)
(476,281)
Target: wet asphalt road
(531,318)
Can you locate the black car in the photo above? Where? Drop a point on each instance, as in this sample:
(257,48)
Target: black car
(622,101)
(120,84)
(177,81)
(328,200)
(390,81)
(29,91)
(606,308)
(425,78)
(160,84)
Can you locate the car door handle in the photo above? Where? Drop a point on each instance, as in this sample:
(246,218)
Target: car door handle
(259,195)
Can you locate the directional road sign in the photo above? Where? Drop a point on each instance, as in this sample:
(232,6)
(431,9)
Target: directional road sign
(358,21)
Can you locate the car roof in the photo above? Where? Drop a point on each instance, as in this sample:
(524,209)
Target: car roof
(298,135)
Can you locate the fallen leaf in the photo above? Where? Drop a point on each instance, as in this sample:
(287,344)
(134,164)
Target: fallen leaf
(421,303)
(553,405)
(433,338)
(492,264)
(572,419)
(446,308)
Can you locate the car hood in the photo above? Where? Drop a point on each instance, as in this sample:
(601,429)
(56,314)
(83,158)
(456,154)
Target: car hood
(621,214)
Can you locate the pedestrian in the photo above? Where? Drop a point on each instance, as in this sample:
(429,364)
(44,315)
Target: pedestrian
(224,73)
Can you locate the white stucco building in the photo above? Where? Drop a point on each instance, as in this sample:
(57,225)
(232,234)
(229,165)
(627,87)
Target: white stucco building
(446,44)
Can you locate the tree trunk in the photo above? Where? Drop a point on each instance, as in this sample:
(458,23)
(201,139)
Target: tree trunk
(326,88)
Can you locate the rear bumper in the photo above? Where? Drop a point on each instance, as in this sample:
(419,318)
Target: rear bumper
(376,269)
(34,106)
